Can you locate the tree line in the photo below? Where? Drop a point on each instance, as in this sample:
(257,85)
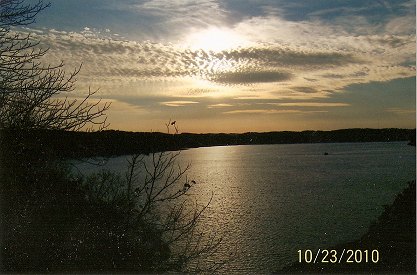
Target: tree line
(73,144)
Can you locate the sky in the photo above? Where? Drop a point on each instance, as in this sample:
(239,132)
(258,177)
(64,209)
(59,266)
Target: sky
(239,65)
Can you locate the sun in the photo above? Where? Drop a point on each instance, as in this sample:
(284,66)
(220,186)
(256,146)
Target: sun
(215,39)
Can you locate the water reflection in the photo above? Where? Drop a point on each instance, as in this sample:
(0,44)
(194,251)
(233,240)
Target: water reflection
(271,200)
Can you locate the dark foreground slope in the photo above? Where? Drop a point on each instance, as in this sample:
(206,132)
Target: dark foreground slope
(393,235)
(54,222)
(112,143)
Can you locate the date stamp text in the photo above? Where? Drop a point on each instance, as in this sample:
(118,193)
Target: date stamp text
(333,256)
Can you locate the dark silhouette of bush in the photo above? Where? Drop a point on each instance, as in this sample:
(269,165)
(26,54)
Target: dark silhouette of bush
(50,224)
(51,219)
(55,220)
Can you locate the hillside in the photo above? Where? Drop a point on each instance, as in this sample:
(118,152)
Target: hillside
(113,143)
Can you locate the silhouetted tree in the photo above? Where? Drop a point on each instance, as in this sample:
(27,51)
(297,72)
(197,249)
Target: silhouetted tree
(154,192)
(34,95)
(54,221)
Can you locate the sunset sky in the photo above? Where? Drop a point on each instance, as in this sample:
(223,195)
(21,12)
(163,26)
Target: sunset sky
(240,66)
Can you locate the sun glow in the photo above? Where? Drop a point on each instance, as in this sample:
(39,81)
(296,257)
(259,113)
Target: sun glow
(215,39)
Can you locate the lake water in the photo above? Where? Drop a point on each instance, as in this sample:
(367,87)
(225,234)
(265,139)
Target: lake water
(272,200)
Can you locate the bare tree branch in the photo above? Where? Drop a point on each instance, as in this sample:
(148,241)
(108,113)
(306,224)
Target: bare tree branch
(30,92)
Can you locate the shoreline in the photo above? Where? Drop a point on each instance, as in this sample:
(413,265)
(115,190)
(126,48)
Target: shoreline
(110,143)
(393,235)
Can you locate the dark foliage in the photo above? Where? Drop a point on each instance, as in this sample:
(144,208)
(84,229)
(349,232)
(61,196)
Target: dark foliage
(54,220)
(50,222)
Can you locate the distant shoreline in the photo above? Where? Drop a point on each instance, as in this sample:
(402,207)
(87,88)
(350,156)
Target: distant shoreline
(115,143)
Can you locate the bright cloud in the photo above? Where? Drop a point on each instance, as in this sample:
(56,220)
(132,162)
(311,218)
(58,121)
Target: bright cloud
(375,58)
(222,54)
(220,105)
(178,103)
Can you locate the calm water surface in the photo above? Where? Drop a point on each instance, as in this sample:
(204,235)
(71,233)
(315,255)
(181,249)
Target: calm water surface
(271,200)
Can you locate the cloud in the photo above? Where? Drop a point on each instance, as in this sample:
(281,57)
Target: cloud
(219,105)
(270,111)
(353,16)
(169,20)
(207,9)
(262,111)
(401,111)
(305,90)
(286,60)
(350,59)
(178,103)
(251,77)
(284,56)
(312,104)
(402,25)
